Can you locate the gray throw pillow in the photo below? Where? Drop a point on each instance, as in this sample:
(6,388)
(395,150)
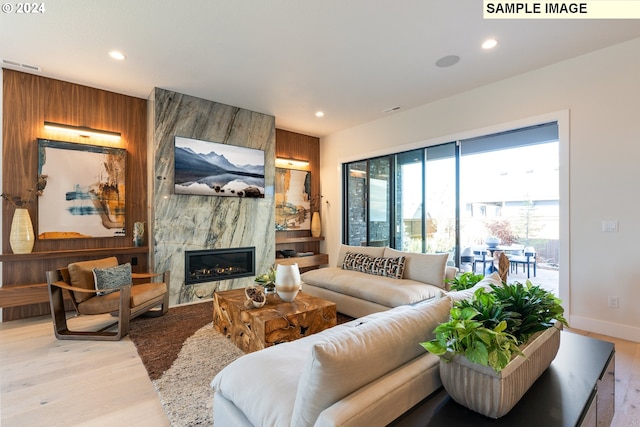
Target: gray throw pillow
(112,278)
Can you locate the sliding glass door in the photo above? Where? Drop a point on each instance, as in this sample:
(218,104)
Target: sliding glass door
(441,198)
(425,210)
(445,198)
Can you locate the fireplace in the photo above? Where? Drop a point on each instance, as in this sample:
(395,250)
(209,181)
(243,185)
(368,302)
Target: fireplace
(211,265)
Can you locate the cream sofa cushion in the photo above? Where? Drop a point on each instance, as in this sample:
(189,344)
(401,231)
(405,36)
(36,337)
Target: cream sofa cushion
(381,290)
(262,384)
(427,268)
(343,363)
(81,275)
(373,251)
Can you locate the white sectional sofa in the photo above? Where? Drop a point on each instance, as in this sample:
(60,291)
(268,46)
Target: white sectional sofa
(363,373)
(366,372)
(357,293)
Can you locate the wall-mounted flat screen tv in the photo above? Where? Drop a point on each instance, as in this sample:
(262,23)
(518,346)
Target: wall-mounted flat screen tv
(214,169)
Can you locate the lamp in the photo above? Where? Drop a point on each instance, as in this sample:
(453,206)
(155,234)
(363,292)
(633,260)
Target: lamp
(82,130)
(287,162)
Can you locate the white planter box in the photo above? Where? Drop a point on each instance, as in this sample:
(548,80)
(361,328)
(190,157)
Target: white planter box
(493,394)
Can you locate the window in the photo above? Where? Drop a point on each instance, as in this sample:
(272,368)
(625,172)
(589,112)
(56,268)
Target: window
(442,198)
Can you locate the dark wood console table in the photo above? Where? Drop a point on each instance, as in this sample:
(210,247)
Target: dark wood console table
(576,390)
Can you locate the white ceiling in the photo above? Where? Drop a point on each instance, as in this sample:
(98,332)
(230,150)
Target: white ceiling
(351,59)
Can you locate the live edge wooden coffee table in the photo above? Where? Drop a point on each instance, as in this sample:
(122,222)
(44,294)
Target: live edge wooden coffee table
(275,322)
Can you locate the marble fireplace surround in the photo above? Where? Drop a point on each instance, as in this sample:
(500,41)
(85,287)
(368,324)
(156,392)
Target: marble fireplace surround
(182,223)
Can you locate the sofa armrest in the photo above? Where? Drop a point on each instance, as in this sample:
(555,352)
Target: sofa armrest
(449,274)
(385,399)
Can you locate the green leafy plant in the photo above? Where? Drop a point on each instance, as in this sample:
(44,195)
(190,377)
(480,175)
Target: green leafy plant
(268,279)
(465,335)
(464,281)
(537,307)
(489,328)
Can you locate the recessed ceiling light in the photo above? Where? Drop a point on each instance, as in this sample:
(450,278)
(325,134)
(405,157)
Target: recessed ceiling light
(117,55)
(447,61)
(489,44)
(319,114)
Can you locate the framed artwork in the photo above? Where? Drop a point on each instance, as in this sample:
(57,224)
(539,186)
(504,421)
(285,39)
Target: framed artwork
(85,192)
(293,199)
(213,169)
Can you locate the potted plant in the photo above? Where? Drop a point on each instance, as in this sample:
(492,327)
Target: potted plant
(268,279)
(497,344)
(464,281)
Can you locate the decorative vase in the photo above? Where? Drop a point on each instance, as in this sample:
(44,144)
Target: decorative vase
(138,234)
(316,226)
(493,394)
(287,281)
(21,238)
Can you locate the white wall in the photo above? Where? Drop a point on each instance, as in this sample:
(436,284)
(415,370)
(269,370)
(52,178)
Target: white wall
(1,148)
(596,98)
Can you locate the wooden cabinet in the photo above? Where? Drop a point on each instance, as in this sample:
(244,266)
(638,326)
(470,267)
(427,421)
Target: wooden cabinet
(300,241)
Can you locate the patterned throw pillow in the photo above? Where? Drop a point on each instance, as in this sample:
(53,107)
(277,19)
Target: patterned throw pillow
(112,278)
(378,266)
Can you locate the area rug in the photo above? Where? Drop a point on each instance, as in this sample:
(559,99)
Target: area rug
(159,339)
(182,352)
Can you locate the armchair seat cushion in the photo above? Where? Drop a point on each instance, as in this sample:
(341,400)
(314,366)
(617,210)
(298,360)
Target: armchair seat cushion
(110,302)
(81,275)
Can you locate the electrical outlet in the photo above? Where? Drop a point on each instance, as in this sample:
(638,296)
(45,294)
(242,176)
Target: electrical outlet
(613,302)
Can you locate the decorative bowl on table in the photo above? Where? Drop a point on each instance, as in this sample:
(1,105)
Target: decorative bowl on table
(256,295)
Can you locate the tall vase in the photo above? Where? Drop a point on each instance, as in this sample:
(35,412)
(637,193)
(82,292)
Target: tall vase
(287,281)
(21,238)
(316,226)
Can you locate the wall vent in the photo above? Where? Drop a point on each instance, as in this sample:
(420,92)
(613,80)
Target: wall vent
(392,109)
(21,65)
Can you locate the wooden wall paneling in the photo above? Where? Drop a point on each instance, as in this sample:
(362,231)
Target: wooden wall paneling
(29,100)
(302,147)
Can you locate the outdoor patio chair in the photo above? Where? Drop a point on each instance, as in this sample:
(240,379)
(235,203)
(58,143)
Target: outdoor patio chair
(527,259)
(466,260)
(114,294)
(482,256)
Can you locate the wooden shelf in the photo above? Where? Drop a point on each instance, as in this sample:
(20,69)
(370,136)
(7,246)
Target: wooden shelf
(22,294)
(284,240)
(17,295)
(305,261)
(73,253)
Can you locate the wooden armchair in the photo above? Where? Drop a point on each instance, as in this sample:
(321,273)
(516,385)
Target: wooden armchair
(126,303)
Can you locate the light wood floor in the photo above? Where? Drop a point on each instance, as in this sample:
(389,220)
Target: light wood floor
(46,382)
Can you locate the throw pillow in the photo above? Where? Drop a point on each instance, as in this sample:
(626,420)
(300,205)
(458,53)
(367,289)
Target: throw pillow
(81,275)
(426,268)
(378,266)
(112,278)
(367,250)
(342,363)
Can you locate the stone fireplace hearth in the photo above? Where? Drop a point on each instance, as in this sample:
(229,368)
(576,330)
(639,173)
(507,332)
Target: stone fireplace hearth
(191,223)
(218,264)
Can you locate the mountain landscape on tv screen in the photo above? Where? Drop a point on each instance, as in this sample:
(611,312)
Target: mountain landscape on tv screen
(212,174)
